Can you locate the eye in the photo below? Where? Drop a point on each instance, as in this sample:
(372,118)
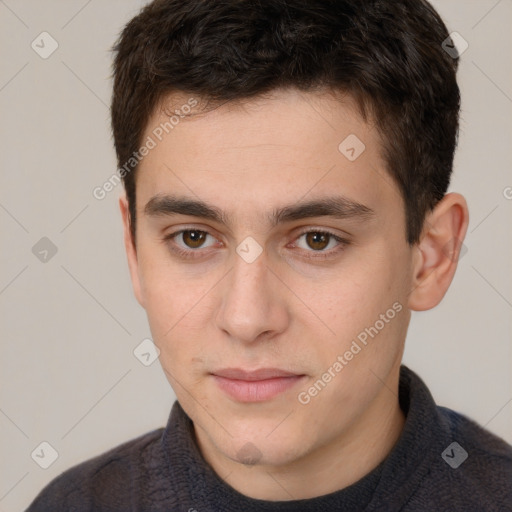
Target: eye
(324,243)
(186,240)
(316,243)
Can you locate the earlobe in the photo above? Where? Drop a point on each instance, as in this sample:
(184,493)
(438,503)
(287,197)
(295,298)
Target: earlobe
(131,252)
(438,252)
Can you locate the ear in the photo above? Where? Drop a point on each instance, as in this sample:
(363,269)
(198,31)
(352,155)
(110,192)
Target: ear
(131,252)
(438,252)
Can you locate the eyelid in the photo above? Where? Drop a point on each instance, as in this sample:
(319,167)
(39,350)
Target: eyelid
(318,229)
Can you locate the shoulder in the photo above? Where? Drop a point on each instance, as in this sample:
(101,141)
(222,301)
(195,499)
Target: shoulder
(478,438)
(488,456)
(474,469)
(105,482)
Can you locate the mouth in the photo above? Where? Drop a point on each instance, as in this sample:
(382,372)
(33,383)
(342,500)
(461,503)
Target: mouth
(257,385)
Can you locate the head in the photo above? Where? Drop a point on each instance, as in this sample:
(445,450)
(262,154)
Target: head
(289,209)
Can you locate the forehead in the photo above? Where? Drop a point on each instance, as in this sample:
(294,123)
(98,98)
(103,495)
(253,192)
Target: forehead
(287,114)
(283,105)
(288,144)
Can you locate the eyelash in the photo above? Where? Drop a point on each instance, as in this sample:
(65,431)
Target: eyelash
(319,255)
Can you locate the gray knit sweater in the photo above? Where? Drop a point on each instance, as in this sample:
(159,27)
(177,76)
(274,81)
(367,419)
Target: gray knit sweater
(163,470)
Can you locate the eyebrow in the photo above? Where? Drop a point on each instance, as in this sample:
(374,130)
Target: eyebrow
(338,207)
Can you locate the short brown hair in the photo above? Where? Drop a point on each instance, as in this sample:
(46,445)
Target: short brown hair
(387,54)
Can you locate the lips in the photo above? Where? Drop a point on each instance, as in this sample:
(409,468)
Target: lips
(253,375)
(255,385)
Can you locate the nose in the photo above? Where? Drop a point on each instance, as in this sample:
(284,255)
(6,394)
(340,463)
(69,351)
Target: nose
(253,306)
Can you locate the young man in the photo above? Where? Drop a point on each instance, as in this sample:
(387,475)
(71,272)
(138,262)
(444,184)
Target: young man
(286,166)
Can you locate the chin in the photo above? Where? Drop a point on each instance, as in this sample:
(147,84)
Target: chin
(263,435)
(260,449)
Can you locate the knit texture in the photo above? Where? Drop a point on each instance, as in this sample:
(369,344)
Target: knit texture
(163,470)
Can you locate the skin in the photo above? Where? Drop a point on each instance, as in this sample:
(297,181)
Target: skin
(289,308)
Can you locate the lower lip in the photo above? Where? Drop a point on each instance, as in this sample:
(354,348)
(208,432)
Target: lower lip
(257,390)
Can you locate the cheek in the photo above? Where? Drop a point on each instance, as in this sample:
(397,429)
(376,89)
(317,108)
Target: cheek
(366,312)
(165,288)
(179,308)
(166,297)
(362,299)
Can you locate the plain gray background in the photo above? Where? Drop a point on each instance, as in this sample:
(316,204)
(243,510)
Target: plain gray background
(70,324)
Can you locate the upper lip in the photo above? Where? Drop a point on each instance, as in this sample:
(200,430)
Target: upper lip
(253,375)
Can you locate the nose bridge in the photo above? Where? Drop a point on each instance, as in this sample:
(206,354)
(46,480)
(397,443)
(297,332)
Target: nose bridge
(249,306)
(249,266)
(248,283)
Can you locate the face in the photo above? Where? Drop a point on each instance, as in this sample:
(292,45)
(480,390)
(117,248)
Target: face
(273,266)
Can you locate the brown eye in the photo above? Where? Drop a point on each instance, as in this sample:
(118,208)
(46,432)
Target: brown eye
(320,243)
(190,243)
(317,241)
(194,238)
